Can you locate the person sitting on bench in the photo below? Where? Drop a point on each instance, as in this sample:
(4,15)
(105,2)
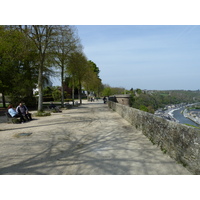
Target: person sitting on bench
(52,106)
(14,114)
(22,109)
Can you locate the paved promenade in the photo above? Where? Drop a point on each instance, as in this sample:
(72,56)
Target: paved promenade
(87,140)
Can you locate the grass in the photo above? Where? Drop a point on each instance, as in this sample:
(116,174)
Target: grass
(192,126)
(163,150)
(42,114)
(1,105)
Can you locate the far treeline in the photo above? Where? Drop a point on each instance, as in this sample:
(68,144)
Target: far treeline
(30,54)
(150,101)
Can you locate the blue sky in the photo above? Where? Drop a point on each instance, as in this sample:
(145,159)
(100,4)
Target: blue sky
(149,57)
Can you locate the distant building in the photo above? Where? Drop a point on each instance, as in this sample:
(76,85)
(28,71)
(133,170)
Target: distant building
(47,83)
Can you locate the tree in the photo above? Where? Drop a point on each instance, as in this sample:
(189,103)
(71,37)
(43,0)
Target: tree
(28,52)
(94,67)
(56,94)
(4,64)
(43,37)
(17,77)
(92,82)
(107,91)
(66,43)
(77,69)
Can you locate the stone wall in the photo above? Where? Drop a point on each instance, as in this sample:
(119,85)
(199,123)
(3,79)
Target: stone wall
(123,99)
(179,141)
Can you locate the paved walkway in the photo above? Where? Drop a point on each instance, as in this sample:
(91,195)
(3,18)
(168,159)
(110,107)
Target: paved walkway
(90,139)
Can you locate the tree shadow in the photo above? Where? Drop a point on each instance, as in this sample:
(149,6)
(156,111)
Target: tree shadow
(47,125)
(88,154)
(94,149)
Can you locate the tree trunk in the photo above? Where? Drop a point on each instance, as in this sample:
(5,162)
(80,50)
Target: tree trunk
(73,93)
(62,87)
(40,90)
(79,93)
(3,100)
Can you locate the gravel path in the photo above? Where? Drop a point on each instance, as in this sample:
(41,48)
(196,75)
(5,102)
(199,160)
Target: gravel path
(90,139)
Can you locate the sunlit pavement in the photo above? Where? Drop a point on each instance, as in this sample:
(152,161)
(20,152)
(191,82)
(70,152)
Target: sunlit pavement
(89,140)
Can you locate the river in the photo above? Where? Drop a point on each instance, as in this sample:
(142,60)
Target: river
(177,115)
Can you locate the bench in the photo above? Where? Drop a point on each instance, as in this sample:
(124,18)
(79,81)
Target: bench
(68,105)
(56,109)
(11,119)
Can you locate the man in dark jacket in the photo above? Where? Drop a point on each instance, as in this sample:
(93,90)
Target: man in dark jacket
(22,109)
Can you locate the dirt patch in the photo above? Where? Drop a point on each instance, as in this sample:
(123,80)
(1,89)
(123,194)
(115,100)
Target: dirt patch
(22,135)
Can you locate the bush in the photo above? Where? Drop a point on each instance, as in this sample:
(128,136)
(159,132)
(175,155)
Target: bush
(47,99)
(67,100)
(42,114)
(56,95)
(143,108)
(30,102)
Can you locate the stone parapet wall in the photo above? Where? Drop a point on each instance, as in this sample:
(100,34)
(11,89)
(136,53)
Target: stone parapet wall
(123,99)
(179,141)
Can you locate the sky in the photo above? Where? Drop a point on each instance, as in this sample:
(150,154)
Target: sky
(152,57)
(156,48)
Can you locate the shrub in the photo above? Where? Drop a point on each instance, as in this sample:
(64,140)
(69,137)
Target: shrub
(47,99)
(56,95)
(42,114)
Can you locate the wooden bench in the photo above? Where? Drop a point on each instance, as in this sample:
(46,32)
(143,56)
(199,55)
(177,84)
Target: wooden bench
(73,103)
(56,109)
(11,119)
(67,105)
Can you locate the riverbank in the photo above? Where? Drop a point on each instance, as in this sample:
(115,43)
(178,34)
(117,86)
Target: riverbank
(175,113)
(191,116)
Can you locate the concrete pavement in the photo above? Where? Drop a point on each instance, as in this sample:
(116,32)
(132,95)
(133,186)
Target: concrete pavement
(87,140)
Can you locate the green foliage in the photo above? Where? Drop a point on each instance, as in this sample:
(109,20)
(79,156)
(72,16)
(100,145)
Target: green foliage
(144,102)
(193,107)
(28,100)
(17,57)
(48,91)
(143,108)
(139,91)
(15,121)
(53,94)
(193,126)
(94,67)
(77,66)
(92,82)
(42,114)
(68,100)
(163,150)
(56,95)
(27,53)
(150,101)
(108,91)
